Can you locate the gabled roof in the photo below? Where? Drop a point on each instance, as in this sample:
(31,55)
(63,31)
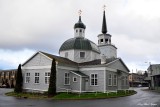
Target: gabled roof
(97,62)
(153,66)
(79,73)
(60,59)
(108,62)
(69,62)
(8,70)
(50,57)
(124,64)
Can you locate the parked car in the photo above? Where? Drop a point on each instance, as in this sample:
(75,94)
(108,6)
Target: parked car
(139,85)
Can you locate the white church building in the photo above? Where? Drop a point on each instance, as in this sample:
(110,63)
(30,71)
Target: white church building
(82,66)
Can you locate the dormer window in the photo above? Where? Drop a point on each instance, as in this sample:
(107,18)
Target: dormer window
(82,55)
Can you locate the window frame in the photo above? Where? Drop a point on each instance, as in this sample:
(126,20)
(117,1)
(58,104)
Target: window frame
(110,80)
(81,53)
(27,77)
(74,79)
(36,78)
(123,81)
(80,30)
(126,81)
(47,77)
(101,40)
(66,78)
(114,80)
(94,79)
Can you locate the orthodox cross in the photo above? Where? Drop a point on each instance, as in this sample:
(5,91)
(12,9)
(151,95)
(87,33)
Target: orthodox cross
(80,12)
(104,7)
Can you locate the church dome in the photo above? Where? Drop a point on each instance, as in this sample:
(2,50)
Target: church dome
(79,43)
(79,24)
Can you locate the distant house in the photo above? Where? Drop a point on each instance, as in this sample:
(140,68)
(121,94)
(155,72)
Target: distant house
(8,78)
(81,67)
(154,73)
(136,80)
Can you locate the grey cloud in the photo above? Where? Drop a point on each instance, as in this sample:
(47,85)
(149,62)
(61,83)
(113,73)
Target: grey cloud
(45,24)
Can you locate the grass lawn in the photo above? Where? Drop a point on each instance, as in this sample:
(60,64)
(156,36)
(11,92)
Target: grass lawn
(68,96)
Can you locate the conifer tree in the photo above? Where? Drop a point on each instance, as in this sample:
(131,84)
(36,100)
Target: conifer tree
(52,82)
(19,80)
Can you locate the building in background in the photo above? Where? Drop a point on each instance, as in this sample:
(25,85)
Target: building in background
(8,78)
(154,74)
(136,80)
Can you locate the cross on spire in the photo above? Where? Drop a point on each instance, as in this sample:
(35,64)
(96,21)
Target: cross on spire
(80,12)
(104,7)
(104,26)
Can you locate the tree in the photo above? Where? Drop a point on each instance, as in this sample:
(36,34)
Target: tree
(19,80)
(145,74)
(52,81)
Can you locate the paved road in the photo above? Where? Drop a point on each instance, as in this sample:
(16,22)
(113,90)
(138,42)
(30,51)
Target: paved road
(141,99)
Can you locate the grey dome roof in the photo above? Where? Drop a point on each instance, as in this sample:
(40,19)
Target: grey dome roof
(79,43)
(79,24)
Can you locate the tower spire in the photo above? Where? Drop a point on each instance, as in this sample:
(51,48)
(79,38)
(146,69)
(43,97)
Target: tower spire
(104,26)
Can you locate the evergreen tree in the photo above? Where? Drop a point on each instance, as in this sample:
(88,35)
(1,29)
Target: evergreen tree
(145,74)
(52,82)
(19,80)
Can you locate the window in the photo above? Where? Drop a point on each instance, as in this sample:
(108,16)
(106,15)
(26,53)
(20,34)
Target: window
(76,31)
(47,77)
(123,79)
(66,79)
(66,54)
(82,54)
(115,80)
(7,73)
(130,77)
(2,73)
(106,40)
(27,80)
(94,79)
(36,78)
(101,40)
(110,80)
(80,30)
(74,79)
(126,81)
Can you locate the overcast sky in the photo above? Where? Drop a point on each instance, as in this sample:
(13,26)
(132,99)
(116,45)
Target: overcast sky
(28,26)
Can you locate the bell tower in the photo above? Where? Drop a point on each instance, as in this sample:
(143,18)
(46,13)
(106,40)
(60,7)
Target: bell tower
(104,41)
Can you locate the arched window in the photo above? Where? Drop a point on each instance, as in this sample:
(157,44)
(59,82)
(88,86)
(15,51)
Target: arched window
(106,40)
(101,40)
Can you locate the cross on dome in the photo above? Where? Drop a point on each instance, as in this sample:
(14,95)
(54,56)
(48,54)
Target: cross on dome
(80,12)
